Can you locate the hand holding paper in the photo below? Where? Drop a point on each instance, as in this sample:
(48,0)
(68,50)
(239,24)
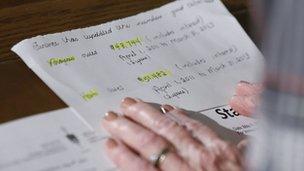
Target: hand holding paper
(184,144)
(189,53)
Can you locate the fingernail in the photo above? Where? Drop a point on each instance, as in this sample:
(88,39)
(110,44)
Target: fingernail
(110,116)
(166,108)
(128,101)
(244,82)
(138,100)
(111,143)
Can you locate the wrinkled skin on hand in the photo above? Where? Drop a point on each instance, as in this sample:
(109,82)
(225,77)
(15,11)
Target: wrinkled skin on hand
(142,131)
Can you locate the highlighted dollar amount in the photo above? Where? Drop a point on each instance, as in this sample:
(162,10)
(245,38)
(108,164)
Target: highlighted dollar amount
(126,44)
(154,75)
(63,60)
(89,95)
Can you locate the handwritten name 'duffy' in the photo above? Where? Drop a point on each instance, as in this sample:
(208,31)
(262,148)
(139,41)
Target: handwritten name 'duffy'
(126,44)
(154,75)
(63,60)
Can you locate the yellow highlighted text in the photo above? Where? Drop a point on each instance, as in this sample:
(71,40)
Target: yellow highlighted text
(126,44)
(154,75)
(63,60)
(89,95)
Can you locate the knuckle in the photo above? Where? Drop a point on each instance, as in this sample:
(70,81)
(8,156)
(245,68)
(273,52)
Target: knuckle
(212,161)
(164,124)
(150,139)
(135,109)
(202,129)
(181,132)
(207,160)
(193,125)
(184,138)
(144,166)
(218,146)
(173,131)
(183,167)
(225,150)
(180,111)
(215,162)
(120,156)
(225,146)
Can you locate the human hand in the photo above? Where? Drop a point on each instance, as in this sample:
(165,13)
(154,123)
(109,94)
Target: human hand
(247,98)
(146,139)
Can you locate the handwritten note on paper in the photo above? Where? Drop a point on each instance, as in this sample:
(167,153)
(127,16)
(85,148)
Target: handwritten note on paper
(189,53)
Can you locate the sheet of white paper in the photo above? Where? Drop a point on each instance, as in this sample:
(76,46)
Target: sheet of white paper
(54,141)
(189,53)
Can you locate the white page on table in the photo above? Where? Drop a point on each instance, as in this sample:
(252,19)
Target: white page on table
(53,141)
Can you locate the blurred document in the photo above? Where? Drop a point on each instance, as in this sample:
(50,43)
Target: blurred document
(54,141)
(188,53)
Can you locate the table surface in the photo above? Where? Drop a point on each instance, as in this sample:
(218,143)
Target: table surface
(22,93)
